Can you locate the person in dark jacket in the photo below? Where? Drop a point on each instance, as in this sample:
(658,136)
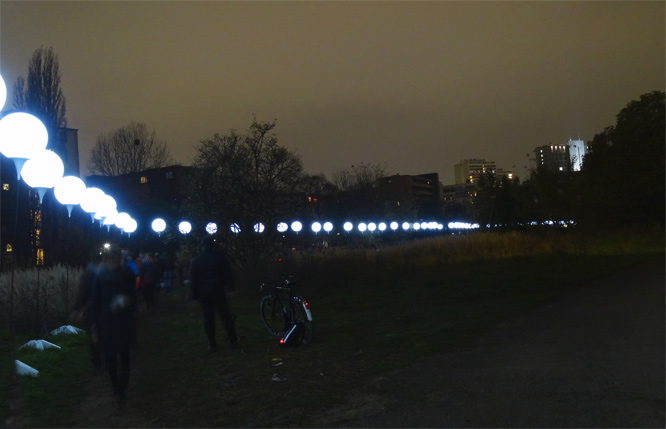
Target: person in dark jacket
(211,278)
(112,308)
(81,312)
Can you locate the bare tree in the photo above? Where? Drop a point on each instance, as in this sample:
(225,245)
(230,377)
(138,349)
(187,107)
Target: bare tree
(128,149)
(245,179)
(361,176)
(41,96)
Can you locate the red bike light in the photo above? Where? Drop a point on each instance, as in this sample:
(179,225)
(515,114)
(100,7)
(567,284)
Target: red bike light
(306,304)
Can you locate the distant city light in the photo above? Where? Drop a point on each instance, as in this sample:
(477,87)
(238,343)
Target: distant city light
(282,227)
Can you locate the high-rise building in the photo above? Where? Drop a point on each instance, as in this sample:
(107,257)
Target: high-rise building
(553,157)
(577,152)
(469,170)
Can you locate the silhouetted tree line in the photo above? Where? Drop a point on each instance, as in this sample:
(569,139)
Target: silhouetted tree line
(621,181)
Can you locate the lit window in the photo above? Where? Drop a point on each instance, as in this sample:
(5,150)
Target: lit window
(40,256)
(9,248)
(5,186)
(144,179)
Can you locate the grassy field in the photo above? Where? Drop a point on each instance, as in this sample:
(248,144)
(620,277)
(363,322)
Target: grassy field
(374,311)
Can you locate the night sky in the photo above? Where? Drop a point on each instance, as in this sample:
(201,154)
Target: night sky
(415,86)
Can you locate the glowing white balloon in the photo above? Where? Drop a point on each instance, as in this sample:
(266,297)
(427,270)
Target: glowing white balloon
(185,227)
(69,191)
(43,171)
(159,225)
(22,136)
(211,228)
(130,226)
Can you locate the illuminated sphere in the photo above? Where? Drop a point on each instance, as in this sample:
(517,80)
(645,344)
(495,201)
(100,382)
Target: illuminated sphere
(316,227)
(282,227)
(122,220)
(43,170)
(348,226)
(259,227)
(235,228)
(90,199)
(406,226)
(328,226)
(70,190)
(296,226)
(372,227)
(211,228)
(110,218)
(159,225)
(184,227)
(424,225)
(106,205)
(394,225)
(130,226)
(22,135)
(381,226)
(362,227)
(3,92)
(416,226)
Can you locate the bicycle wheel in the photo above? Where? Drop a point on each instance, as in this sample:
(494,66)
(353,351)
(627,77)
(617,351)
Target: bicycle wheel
(274,315)
(303,316)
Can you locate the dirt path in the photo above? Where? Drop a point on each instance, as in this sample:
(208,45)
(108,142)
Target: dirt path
(593,359)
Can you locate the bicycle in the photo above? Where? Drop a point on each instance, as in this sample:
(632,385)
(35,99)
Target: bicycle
(279,317)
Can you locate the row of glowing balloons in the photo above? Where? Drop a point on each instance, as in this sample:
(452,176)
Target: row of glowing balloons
(23,139)
(185,227)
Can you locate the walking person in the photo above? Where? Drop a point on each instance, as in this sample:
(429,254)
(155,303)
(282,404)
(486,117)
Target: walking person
(211,278)
(112,318)
(81,311)
(147,279)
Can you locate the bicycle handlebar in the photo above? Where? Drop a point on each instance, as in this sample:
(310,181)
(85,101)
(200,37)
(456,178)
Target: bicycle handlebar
(286,279)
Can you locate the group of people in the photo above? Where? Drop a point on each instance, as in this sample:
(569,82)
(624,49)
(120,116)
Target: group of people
(107,303)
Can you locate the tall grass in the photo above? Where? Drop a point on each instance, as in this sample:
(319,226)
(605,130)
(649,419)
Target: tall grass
(336,268)
(42,297)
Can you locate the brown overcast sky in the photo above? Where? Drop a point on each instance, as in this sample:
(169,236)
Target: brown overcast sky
(417,86)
